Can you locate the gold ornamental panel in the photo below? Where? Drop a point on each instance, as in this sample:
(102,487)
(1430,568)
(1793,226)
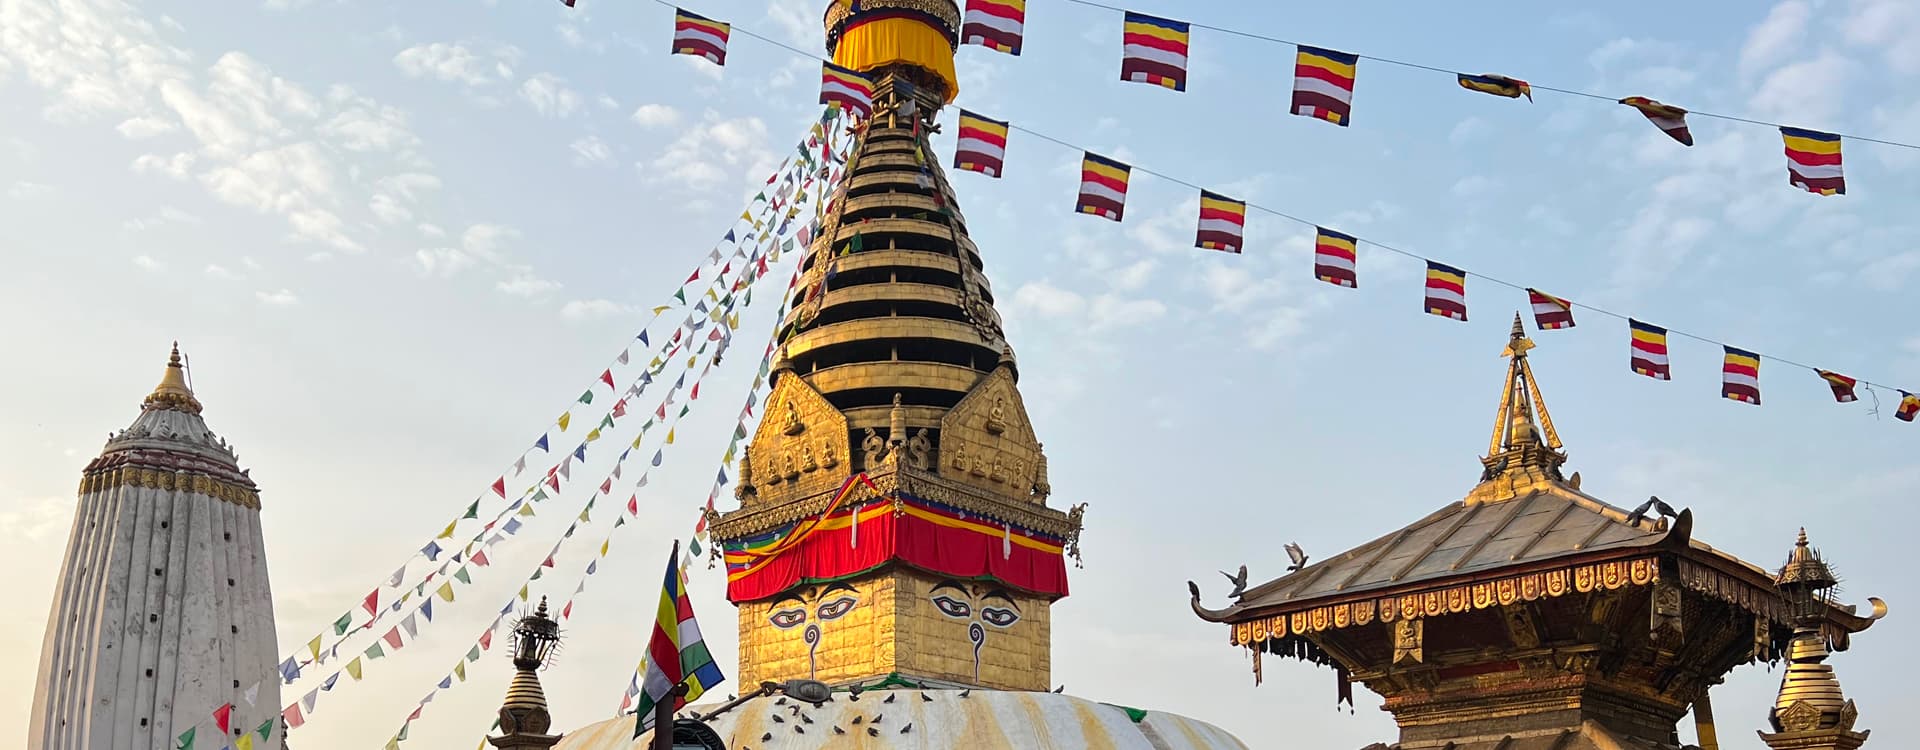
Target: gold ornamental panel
(987,440)
(894,375)
(1464,598)
(161,479)
(799,448)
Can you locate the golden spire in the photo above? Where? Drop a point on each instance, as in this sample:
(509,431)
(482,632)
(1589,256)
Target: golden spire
(173,393)
(1810,711)
(1520,445)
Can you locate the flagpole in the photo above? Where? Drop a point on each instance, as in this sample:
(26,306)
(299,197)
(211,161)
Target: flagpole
(663,718)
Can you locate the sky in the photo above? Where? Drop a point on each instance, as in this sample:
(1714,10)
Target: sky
(396,239)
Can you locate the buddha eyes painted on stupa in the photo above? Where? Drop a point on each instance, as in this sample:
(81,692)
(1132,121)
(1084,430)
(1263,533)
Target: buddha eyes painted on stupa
(820,606)
(994,606)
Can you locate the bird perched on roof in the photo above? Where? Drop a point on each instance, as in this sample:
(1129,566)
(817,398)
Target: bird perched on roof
(1653,503)
(1297,555)
(1239,582)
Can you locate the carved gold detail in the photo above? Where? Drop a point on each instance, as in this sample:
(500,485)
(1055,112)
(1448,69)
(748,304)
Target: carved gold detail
(798,453)
(1407,637)
(160,479)
(1505,592)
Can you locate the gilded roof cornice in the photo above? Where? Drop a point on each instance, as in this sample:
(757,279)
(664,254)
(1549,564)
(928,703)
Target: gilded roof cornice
(911,481)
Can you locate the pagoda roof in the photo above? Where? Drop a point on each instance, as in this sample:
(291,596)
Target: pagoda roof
(1463,541)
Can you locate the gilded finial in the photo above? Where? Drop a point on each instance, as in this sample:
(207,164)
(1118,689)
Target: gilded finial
(1517,343)
(173,392)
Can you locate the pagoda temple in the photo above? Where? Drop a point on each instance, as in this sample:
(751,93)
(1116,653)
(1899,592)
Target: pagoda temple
(162,612)
(1530,615)
(894,540)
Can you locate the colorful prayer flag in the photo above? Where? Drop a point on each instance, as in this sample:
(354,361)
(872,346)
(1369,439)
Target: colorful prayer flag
(1842,385)
(1740,376)
(1323,84)
(1497,85)
(700,36)
(1223,223)
(1813,161)
(676,654)
(1446,291)
(998,25)
(1909,406)
(1550,313)
(982,146)
(1103,186)
(500,487)
(1648,349)
(223,718)
(846,89)
(1668,118)
(1334,256)
(1154,50)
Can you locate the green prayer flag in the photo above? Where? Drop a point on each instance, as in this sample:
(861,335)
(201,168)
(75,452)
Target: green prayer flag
(186,738)
(375,651)
(684,410)
(606,421)
(539,495)
(694,546)
(473,654)
(473,511)
(681,295)
(265,730)
(340,626)
(619,521)
(586,397)
(462,576)
(858,243)
(536,574)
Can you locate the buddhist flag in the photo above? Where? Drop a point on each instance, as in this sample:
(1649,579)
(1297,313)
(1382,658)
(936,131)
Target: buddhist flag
(1334,256)
(1842,385)
(1323,84)
(1648,350)
(1154,50)
(1497,85)
(1103,186)
(846,89)
(1909,406)
(1740,376)
(1550,313)
(699,36)
(1446,291)
(1668,118)
(997,25)
(983,145)
(676,653)
(1813,161)
(1223,223)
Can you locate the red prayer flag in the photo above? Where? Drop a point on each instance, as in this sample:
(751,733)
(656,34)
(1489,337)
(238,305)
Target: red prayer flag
(567,611)
(500,487)
(372,603)
(480,559)
(606,376)
(486,640)
(606,487)
(392,638)
(690,279)
(223,718)
(633,505)
(292,716)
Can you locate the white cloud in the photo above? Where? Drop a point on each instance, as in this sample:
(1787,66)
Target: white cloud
(709,153)
(1808,91)
(548,95)
(1467,130)
(40,520)
(282,298)
(1781,35)
(147,263)
(23,190)
(526,285)
(587,309)
(1472,186)
(485,240)
(591,150)
(176,166)
(1890,273)
(430,230)
(409,185)
(216,271)
(166,215)
(608,102)
(386,209)
(1892,25)
(369,126)
(441,261)
(144,126)
(656,115)
(456,62)
(799,20)
(1043,299)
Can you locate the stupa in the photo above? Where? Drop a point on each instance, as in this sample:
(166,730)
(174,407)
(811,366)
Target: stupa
(894,539)
(162,613)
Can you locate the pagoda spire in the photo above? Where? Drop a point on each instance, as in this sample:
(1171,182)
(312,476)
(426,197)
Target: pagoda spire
(173,391)
(1524,447)
(1810,712)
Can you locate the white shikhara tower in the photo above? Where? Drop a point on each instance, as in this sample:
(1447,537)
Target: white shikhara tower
(162,611)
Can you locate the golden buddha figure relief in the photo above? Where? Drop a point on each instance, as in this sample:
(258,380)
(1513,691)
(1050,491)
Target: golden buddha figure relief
(791,424)
(827,459)
(997,416)
(806,457)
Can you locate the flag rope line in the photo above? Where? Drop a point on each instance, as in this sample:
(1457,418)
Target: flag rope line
(1863,382)
(1537,87)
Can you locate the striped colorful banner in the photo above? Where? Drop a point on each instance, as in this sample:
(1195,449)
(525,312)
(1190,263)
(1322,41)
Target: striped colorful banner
(1154,50)
(1648,350)
(1323,84)
(998,25)
(1103,186)
(1446,291)
(982,145)
(1223,223)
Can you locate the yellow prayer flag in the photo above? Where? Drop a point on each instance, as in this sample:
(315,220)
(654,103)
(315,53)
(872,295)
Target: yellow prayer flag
(603,547)
(393,744)
(447,533)
(244,743)
(733,321)
(661,309)
(746,216)
(523,593)
(313,647)
(584,518)
(566,418)
(526,510)
(353,668)
(691,360)
(446,591)
(460,670)
(636,439)
(594,435)
(669,436)
(711,295)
